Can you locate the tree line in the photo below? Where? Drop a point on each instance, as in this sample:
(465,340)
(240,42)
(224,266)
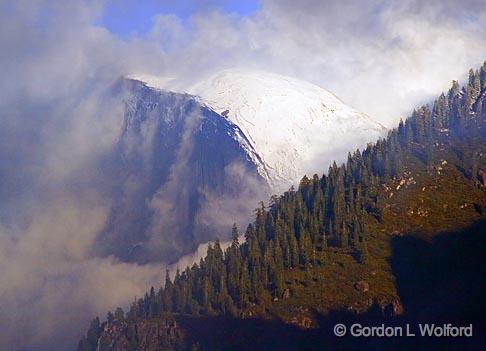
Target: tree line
(296,228)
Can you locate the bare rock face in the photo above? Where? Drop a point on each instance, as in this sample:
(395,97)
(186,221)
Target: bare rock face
(174,161)
(153,334)
(393,309)
(303,322)
(362,286)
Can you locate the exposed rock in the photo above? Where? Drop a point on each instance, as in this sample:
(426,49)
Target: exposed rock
(402,182)
(246,314)
(482,177)
(405,182)
(422,212)
(303,322)
(392,309)
(159,334)
(306,323)
(160,131)
(286,294)
(362,286)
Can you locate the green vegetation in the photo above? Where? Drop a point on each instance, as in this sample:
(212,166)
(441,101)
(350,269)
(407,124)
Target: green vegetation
(312,247)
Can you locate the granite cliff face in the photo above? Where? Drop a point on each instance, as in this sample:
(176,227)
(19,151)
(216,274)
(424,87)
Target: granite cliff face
(172,176)
(157,334)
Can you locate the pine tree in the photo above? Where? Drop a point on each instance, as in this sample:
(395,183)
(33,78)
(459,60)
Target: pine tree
(244,286)
(233,262)
(305,248)
(294,251)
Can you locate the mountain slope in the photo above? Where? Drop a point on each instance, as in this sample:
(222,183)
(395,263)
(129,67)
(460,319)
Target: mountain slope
(395,235)
(173,158)
(291,124)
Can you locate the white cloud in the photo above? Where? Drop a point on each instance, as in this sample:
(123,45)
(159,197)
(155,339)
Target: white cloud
(382,57)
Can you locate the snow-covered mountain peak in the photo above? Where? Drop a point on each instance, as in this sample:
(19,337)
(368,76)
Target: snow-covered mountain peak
(295,127)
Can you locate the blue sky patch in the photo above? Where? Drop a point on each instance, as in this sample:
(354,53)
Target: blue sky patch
(132,18)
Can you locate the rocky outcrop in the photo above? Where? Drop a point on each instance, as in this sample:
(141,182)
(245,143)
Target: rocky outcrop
(482,178)
(392,309)
(148,334)
(303,322)
(362,286)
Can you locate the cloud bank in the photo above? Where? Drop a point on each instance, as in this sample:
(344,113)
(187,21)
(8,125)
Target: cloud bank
(56,119)
(382,57)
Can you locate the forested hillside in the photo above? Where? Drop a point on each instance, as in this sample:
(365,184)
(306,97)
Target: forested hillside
(347,241)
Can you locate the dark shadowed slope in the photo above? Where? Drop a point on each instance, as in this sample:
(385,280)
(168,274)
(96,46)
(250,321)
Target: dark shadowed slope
(173,159)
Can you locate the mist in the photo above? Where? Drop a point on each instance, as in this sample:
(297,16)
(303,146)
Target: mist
(57,119)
